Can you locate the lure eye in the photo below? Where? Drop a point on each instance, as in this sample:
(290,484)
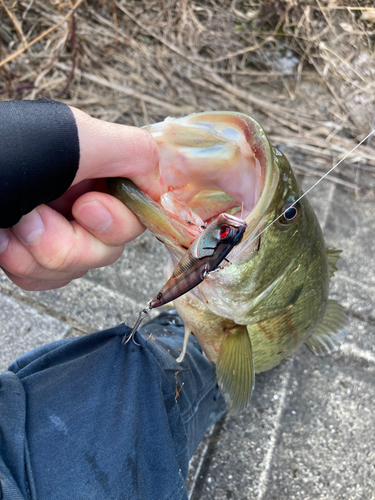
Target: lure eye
(225,231)
(290,213)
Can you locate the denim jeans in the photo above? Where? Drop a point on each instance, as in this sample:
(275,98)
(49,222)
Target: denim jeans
(92,419)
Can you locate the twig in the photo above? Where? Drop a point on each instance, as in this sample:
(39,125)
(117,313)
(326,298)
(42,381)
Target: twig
(326,18)
(74,57)
(177,391)
(240,52)
(18,88)
(332,178)
(16,23)
(129,91)
(41,36)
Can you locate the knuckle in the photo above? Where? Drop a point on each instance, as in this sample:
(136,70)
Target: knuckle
(25,269)
(60,260)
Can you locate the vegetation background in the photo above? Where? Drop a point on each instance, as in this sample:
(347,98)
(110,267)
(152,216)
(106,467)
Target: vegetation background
(304,69)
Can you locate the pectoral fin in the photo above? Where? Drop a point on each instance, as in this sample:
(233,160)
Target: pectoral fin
(235,368)
(331,332)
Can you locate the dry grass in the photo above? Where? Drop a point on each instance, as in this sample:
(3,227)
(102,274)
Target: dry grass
(305,70)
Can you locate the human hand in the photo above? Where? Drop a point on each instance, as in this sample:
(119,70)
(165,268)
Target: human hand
(85,228)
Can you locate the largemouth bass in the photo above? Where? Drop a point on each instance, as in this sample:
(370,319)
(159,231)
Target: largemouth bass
(271,296)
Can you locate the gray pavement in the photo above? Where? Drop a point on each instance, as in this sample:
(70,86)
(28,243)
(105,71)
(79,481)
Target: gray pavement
(310,431)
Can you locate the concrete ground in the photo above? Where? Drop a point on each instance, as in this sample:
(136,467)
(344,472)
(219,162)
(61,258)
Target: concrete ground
(310,430)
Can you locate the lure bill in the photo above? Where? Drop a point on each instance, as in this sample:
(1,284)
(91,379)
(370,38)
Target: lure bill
(204,256)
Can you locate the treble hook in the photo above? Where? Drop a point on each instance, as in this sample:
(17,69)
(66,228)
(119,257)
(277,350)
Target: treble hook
(143,313)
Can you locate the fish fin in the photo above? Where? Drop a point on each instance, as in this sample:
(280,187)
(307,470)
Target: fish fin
(235,368)
(333,256)
(184,347)
(331,331)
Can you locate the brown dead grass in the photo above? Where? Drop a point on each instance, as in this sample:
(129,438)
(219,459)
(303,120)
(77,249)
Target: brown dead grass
(305,70)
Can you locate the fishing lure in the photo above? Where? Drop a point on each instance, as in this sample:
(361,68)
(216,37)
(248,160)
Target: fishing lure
(204,256)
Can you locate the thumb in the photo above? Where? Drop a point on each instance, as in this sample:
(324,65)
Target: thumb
(114,150)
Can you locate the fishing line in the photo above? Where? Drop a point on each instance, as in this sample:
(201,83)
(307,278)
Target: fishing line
(312,187)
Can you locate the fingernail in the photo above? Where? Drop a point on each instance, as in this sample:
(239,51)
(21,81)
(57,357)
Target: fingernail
(94,216)
(4,240)
(29,228)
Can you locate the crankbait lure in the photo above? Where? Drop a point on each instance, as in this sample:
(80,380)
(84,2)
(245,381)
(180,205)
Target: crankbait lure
(204,255)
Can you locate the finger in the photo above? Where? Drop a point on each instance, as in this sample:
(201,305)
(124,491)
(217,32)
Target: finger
(36,285)
(59,245)
(4,240)
(64,203)
(17,262)
(107,218)
(114,150)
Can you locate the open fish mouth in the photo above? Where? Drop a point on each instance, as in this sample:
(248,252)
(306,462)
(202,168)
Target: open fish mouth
(211,163)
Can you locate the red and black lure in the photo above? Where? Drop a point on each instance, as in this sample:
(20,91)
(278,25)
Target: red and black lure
(203,256)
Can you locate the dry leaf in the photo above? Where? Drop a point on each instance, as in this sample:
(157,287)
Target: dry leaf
(368,15)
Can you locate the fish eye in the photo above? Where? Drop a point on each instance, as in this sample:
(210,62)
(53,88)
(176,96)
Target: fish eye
(225,231)
(290,213)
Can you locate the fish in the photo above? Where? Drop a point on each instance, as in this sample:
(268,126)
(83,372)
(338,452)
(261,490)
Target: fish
(271,294)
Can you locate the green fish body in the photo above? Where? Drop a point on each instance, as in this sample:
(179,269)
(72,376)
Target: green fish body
(272,295)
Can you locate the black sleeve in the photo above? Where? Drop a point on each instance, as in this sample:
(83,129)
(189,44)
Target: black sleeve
(39,155)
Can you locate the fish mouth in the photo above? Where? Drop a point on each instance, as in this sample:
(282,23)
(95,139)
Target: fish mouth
(212,163)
